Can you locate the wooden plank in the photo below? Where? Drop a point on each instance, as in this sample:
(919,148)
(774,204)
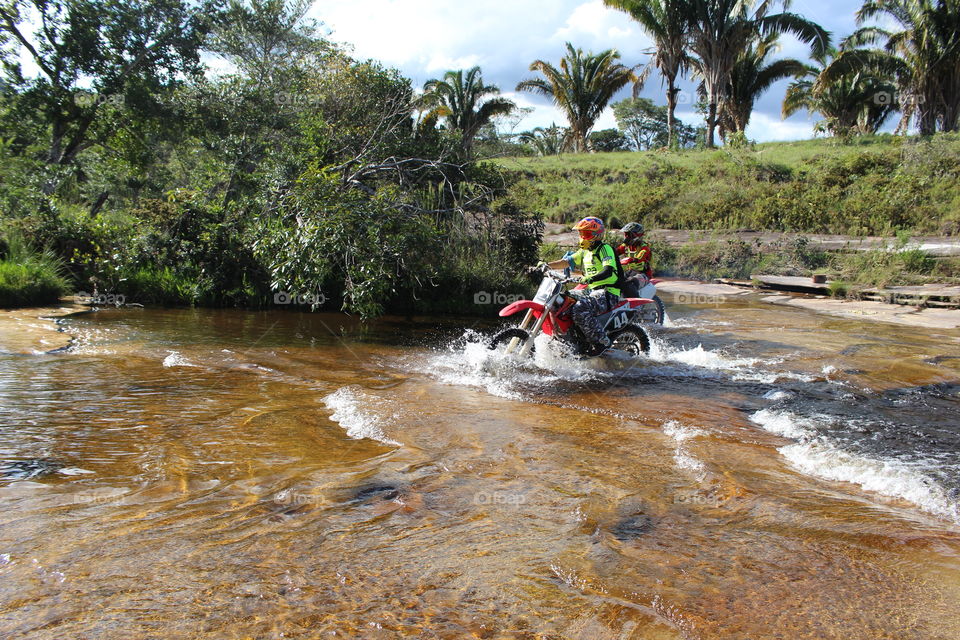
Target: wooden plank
(792,283)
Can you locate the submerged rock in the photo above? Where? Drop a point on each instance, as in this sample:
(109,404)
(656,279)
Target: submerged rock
(381,491)
(27,469)
(632,527)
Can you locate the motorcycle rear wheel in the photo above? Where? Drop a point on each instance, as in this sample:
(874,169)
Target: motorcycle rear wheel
(653,313)
(500,341)
(632,338)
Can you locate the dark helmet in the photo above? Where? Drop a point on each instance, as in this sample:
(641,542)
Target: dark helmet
(633,231)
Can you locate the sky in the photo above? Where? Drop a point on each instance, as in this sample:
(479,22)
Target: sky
(425,38)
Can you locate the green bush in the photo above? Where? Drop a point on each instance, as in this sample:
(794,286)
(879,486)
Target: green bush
(29,277)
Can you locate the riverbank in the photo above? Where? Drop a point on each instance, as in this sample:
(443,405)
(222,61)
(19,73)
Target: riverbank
(695,292)
(34,330)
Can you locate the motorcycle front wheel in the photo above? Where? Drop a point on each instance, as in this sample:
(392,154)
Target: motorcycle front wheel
(502,340)
(632,339)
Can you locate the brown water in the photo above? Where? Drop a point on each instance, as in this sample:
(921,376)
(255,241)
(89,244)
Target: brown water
(187,474)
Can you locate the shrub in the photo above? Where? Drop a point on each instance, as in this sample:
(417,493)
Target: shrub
(29,277)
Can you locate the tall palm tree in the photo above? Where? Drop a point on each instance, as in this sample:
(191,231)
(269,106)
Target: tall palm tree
(751,75)
(459,98)
(666,21)
(924,55)
(581,87)
(852,102)
(721,30)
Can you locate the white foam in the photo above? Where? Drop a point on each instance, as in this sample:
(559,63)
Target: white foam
(700,362)
(890,478)
(681,432)
(177,360)
(777,395)
(503,375)
(681,456)
(74,471)
(352,411)
(783,423)
(816,455)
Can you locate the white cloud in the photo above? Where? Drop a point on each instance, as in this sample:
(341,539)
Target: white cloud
(424,38)
(764,128)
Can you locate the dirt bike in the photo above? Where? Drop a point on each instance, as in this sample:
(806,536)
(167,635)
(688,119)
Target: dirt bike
(550,312)
(653,313)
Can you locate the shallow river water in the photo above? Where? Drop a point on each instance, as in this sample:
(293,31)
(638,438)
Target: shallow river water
(765,473)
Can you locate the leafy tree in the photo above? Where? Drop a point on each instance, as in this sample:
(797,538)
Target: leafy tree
(609,140)
(581,87)
(752,74)
(850,102)
(722,30)
(644,123)
(264,37)
(921,54)
(462,98)
(129,53)
(667,22)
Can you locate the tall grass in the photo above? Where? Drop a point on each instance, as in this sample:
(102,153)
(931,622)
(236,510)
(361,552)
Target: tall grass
(28,276)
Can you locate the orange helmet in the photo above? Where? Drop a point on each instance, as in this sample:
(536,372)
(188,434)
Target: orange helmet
(591,231)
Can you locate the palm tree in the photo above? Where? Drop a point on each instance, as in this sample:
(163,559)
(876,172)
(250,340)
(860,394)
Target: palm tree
(458,97)
(666,21)
(751,75)
(721,30)
(581,87)
(851,102)
(924,56)
(549,141)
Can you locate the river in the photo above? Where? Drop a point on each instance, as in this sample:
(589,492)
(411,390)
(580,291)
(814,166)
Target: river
(764,473)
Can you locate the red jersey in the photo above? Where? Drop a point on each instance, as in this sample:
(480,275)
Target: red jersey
(638,258)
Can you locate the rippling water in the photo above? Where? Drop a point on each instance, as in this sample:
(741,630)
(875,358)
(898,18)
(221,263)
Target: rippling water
(765,473)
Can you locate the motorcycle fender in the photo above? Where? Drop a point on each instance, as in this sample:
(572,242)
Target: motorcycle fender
(648,291)
(521,305)
(638,302)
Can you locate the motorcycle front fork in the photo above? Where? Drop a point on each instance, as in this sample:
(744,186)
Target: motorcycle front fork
(523,325)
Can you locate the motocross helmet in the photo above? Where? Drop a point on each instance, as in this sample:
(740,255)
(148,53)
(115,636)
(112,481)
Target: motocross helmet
(633,232)
(591,231)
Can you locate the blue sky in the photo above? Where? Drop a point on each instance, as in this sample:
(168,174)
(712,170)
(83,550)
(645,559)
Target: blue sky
(425,38)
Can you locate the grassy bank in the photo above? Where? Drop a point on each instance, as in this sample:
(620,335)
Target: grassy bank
(874,185)
(28,277)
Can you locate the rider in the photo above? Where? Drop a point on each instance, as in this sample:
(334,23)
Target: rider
(597,261)
(635,256)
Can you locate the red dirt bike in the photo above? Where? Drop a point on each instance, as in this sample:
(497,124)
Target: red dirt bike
(549,313)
